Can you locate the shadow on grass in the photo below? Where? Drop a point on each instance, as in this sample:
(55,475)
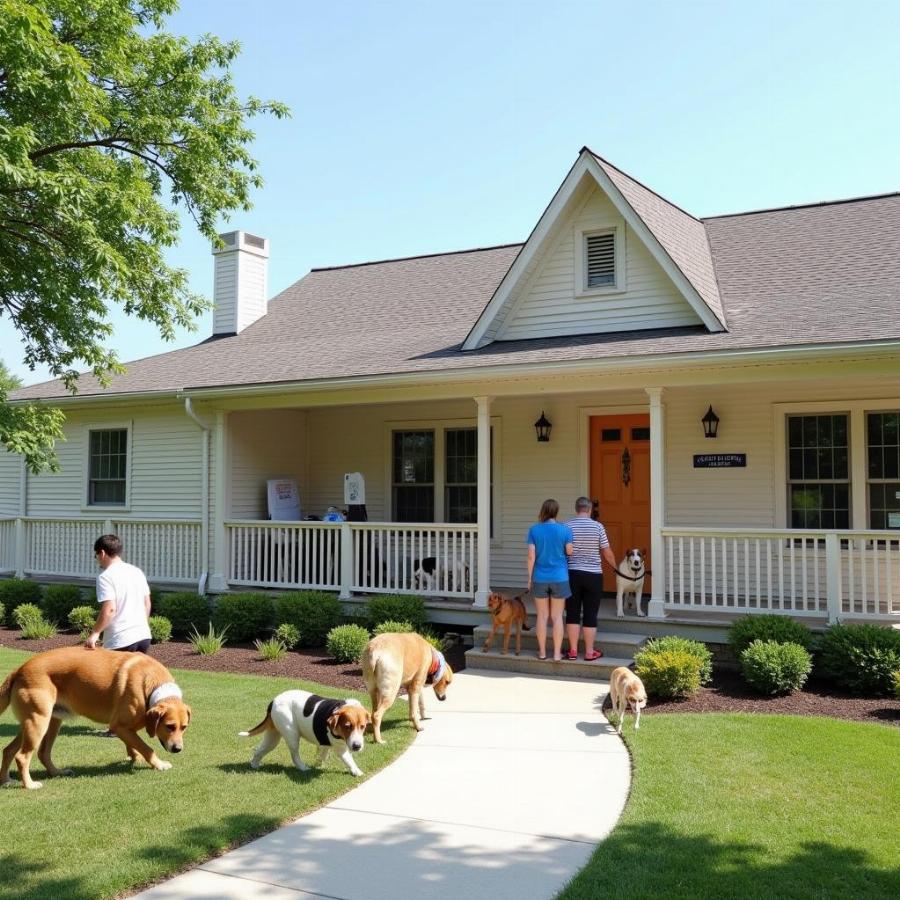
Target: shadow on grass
(653,860)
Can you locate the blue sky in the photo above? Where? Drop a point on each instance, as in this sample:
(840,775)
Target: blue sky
(424,127)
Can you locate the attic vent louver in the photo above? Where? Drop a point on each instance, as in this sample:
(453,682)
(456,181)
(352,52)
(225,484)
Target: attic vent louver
(600,252)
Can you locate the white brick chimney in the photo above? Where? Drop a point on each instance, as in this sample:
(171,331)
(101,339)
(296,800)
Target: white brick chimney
(241,282)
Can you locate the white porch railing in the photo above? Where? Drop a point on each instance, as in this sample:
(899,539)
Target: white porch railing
(365,557)
(168,550)
(791,571)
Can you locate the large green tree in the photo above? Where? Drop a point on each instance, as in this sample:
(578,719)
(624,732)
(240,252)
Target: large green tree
(110,128)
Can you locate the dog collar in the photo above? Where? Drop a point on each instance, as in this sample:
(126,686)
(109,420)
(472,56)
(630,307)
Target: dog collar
(163,692)
(438,665)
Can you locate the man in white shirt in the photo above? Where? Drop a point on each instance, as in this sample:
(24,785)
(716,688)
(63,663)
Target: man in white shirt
(124,598)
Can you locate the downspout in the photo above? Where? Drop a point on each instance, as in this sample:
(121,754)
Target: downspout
(204,496)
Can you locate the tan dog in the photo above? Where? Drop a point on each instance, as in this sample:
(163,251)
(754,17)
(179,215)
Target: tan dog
(337,725)
(391,661)
(506,612)
(129,691)
(626,689)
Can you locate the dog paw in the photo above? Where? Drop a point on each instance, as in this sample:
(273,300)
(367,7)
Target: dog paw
(66,773)
(34,786)
(254,764)
(7,782)
(620,615)
(163,766)
(642,615)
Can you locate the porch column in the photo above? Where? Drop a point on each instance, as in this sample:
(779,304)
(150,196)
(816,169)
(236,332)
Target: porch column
(656,606)
(217,578)
(484,501)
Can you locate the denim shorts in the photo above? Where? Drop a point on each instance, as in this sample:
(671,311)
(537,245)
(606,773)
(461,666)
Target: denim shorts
(560,590)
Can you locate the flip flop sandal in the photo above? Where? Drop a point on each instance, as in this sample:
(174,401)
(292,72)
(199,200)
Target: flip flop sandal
(572,654)
(590,657)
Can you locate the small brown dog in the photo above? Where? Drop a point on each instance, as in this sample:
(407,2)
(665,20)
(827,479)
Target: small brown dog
(506,612)
(626,689)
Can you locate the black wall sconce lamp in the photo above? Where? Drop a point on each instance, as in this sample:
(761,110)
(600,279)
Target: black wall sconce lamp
(542,427)
(710,423)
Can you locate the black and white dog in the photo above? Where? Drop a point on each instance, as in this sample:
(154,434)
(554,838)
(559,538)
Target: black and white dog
(337,725)
(429,576)
(630,579)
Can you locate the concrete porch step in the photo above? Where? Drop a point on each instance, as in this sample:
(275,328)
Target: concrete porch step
(616,644)
(528,664)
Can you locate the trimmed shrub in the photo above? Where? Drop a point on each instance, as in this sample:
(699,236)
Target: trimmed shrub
(160,629)
(391,627)
(781,629)
(861,658)
(15,592)
(669,673)
(83,618)
(287,634)
(897,684)
(60,600)
(684,645)
(186,611)
(313,613)
(435,640)
(245,616)
(773,668)
(347,642)
(25,613)
(2,614)
(397,608)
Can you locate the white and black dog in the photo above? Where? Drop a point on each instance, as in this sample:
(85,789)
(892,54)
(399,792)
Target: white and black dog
(630,575)
(429,576)
(337,725)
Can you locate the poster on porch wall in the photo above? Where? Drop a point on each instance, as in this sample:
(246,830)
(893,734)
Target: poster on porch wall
(354,489)
(283,499)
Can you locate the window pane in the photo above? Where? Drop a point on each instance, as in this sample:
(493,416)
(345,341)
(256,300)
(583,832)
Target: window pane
(413,504)
(884,506)
(107,466)
(462,504)
(820,506)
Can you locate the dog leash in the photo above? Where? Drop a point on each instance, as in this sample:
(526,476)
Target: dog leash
(629,578)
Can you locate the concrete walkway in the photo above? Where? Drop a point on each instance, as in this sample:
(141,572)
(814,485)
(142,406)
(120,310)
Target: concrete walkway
(504,795)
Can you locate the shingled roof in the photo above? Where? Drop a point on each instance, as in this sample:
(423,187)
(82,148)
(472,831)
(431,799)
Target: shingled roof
(821,274)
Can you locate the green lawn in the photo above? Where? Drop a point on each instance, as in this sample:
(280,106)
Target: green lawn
(746,806)
(112,827)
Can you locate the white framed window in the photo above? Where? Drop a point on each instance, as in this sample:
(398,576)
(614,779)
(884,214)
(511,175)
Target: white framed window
(433,472)
(107,466)
(600,260)
(838,465)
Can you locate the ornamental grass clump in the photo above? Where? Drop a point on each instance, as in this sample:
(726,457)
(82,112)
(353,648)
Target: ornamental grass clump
(861,658)
(271,650)
(668,674)
(773,668)
(392,627)
(82,619)
(208,644)
(160,629)
(25,613)
(31,621)
(347,642)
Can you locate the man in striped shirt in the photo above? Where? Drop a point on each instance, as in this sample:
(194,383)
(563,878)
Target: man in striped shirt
(590,544)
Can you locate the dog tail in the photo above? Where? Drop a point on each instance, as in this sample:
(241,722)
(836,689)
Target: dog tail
(265,725)
(526,626)
(6,691)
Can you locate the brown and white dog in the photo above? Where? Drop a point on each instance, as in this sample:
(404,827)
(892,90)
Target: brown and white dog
(391,661)
(338,725)
(506,612)
(630,573)
(129,691)
(626,690)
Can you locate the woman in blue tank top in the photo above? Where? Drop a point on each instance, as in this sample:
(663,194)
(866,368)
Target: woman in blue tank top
(549,546)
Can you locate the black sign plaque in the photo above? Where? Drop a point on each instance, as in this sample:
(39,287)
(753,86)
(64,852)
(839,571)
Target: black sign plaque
(720,460)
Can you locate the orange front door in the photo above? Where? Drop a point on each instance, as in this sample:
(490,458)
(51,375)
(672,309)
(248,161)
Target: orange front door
(620,482)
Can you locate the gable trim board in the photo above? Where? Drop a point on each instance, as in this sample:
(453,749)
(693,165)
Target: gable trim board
(521,269)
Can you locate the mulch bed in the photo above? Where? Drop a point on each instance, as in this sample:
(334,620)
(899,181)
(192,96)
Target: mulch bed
(729,693)
(726,693)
